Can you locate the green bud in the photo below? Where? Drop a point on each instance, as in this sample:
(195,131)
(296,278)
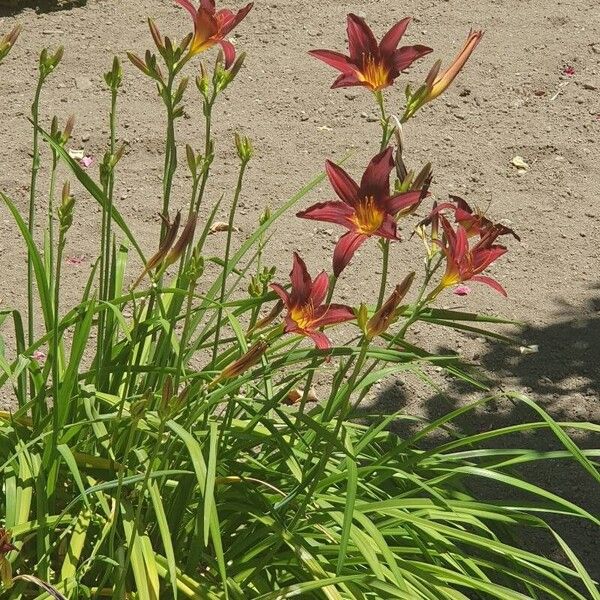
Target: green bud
(244,147)
(65,210)
(265,216)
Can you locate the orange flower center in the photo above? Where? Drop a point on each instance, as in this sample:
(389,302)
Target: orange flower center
(374,74)
(303,315)
(368,217)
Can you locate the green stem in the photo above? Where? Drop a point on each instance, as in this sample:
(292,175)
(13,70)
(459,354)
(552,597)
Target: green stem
(170,149)
(35,167)
(51,197)
(232,211)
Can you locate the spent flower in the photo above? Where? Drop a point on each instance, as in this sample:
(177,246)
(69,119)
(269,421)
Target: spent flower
(371,64)
(306,313)
(366,210)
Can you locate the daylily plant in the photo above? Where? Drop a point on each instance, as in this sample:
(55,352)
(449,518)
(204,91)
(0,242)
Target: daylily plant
(371,64)
(306,311)
(211,26)
(366,210)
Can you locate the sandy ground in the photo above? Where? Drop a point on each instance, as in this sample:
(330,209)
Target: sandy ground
(516,97)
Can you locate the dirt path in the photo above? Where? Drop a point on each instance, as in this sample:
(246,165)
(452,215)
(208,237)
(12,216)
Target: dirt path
(514,98)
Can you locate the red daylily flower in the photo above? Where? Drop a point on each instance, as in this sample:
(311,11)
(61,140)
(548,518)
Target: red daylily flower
(306,311)
(464,263)
(366,209)
(474,221)
(211,26)
(371,64)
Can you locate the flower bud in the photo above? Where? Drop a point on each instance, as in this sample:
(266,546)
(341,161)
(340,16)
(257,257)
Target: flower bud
(273,314)
(185,239)
(65,210)
(247,361)
(68,130)
(8,41)
(203,82)
(158,40)
(265,216)
(362,316)
(114,77)
(388,313)
(244,148)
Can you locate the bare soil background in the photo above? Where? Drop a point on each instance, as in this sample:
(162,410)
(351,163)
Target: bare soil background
(513,98)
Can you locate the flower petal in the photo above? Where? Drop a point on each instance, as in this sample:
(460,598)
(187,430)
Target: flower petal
(333,313)
(401,202)
(344,186)
(334,59)
(361,40)
(376,178)
(228,52)
(205,28)
(491,282)
(405,56)
(388,228)
(319,288)
(348,80)
(229,20)
(301,281)
(320,339)
(347,245)
(330,212)
(392,38)
(208,5)
(187,4)
(285,297)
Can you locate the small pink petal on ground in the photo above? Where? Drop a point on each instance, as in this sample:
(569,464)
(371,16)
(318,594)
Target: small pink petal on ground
(74,261)
(86,161)
(39,356)
(569,71)
(462,290)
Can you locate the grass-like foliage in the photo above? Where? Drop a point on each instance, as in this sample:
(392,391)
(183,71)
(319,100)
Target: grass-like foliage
(164,440)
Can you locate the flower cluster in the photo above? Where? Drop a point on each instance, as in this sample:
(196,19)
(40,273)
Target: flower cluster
(369,208)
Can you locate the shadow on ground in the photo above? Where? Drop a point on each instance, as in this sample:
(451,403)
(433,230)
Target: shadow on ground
(563,377)
(9,8)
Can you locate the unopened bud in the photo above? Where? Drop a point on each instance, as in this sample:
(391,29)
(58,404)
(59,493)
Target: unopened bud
(178,96)
(244,147)
(388,313)
(362,316)
(247,361)
(273,314)
(158,40)
(114,77)
(203,82)
(265,216)
(65,210)
(185,239)
(68,130)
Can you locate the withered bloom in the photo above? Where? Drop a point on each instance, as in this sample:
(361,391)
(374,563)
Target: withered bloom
(163,249)
(388,313)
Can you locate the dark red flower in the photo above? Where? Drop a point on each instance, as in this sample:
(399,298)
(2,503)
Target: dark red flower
(304,303)
(366,209)
(371,64)
(211,26)
(474,221)
(464,263)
